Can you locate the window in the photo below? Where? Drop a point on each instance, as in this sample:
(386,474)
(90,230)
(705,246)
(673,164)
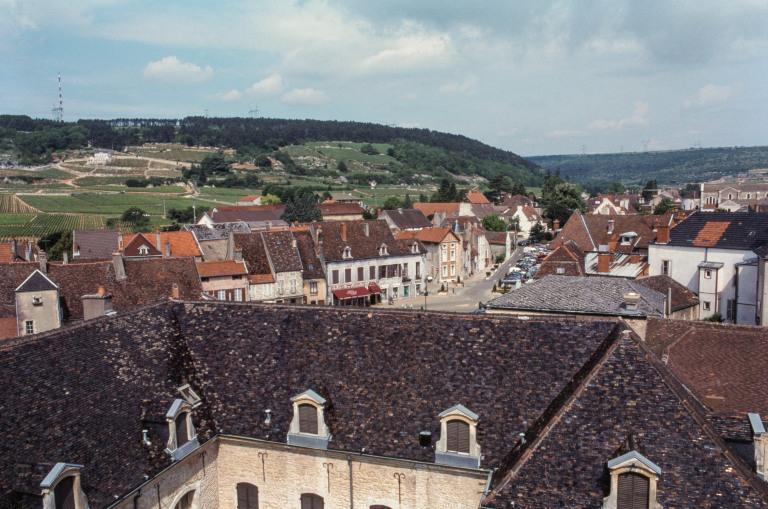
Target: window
(406,292)
(143,250)
(665,267)
(730,310)
(360,273)
(182,438)
(707,305)
(458,436)
(335,277)
(293,286)
(347,275)
(280,287)
(633,491)
(185,502)
(560,270)
(64,493)
(29,327)
(372,272)
(418,288)
(383,250)
(445,270)
(347,254)
(418,270)
(247,496)
(405,270)
(37,301)
(221,294)
(453,269)
(182,431)
(238,294)
(311,501)
(382,271)
(707,274)
(308,419)
(313,287)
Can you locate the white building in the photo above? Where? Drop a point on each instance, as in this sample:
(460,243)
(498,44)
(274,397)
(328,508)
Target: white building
(721,257)
(527,217)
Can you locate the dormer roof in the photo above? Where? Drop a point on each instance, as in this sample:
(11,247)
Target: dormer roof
(634,457)
(461,409)
(140,245)
(309,393)
(36,282)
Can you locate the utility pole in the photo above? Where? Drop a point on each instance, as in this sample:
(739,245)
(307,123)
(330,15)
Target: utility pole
(58,111)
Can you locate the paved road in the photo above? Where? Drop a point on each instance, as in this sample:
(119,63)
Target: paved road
(466,299)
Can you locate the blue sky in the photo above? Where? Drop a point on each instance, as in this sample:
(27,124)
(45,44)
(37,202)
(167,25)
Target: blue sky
(534,77)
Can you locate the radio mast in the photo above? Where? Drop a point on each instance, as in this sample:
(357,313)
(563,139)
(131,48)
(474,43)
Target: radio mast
(58,111)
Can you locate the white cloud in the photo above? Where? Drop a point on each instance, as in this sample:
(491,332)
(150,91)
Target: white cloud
(459,87)
(709,95)
(563,133)
(269,85)
(639,117)
(307,96)
(171,69)
(232,95)
(412,51)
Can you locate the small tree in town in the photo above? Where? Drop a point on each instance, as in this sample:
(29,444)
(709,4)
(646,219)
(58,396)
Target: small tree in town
(494,223)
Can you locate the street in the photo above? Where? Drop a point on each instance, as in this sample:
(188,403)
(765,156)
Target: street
(460,299)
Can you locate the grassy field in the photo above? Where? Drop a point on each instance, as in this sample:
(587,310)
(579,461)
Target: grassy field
(111,204)
(227,194)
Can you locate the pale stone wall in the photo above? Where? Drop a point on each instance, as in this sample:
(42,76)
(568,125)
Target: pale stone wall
(46,316)
(284,281)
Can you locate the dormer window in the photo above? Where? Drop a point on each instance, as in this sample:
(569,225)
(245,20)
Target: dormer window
(61,488)
(633,482)
(347,254)
(415,248)
(308,428)
(458,438)
(182,438)
(143,250)
(383,250)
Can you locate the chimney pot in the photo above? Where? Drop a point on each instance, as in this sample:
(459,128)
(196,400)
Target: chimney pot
(119,266)
(43,260)
(65,258)
(662,234)
(344,232)
(175,293)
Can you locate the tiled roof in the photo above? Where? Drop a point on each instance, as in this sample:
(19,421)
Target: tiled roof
(596,295)
(568,257)
(682,297)
(221,268)
(627,405)
(249,214)
(407,219)
(497,238)
(430,208)
(724,365)
(313,268)
(134,243)
(282,251)
(362,245)
(183,243)
(250,197)
(139,360)
(590,231)
(433,235)
(477,197)
(94,244)
(217,231)
(254,252)
(515,200)
(10,255)
(725,230)
(530,213)
(7,327)
(340,209)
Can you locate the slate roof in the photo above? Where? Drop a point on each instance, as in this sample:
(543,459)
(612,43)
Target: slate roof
(282,251)
(36,282)
(313,268)
(86,392)
(628,404)
(724,230)
(94,244)
(340,209)
(595,295)
(254,252)
(362,246)
(217,231)
(407,219)
(682,297)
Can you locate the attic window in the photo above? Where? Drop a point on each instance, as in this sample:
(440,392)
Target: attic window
(383,250)
(308,428)
(415,248)
(143,250)
(560,270)
(190,396)
(458,438)
(182,438)
(61,488)
(347,254)
(633,482)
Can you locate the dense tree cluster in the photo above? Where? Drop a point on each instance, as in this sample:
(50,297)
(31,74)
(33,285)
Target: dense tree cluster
(560,199)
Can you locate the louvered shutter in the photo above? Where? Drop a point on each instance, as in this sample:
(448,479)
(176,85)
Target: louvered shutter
(633,491)
(247,496)
(458,436)
(311,501)
(64,493)
(307,419)
(182,433)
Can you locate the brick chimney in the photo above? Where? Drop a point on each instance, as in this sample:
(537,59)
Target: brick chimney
(662,234)
(42,259)
(97,304)
(175,293)
(344,232)
(604,260)
(167,251)
(119,266)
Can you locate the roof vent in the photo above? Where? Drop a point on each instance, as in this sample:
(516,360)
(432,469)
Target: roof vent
(425,438)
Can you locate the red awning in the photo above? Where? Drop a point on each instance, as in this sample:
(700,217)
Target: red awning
(373,287)
(351,293)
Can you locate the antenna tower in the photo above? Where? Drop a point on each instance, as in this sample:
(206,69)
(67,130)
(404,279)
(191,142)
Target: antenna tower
(254,112)
(58,111)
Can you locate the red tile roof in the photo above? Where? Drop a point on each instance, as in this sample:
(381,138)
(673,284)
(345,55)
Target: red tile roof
(432,235)
(340,209)
(711,233)
(8,327)
(221,268)
(430,209)
(183,243)
(477,197)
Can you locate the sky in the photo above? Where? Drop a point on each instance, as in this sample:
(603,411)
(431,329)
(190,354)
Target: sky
(534,76)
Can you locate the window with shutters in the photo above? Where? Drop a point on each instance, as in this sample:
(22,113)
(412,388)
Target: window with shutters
(61,488)
(633,491)
(458,445)
(64,493)
(247,496)
(308,419)
(182,438)
(361,273)
(311,501)
(182,431)
(458,436)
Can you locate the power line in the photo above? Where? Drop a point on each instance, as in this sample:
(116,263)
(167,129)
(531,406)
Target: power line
(58,111)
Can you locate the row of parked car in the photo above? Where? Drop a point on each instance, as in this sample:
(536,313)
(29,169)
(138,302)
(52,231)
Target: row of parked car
(526,267)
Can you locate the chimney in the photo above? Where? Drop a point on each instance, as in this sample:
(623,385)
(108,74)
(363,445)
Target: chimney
(175,294)
(167,252)
(65,257)
(344,232)
(611,224)
(97,304)
(158,242)
(631,300)
(662,234)
(604,260)
(366,229)
(556,224)
(42,258)
(760,441)
(293,242)
(238,255)
(119,266)
(13,249)
(28,252)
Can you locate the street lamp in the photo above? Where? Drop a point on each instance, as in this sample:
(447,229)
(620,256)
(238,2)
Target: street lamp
(427,280)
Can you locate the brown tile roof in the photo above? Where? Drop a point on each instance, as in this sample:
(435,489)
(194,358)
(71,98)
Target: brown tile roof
(711,233)
(259,279)
(363,246)
(221,268)
(724,365)
(726,230)
(183,243)
(249,214)
(568,257)
(94,244)
(250,197)
(133,245)
(407,219)
(16,251)
(340,209)
(282,251)
(433,235)
(313,268)
(430,209)
(496,238)
(477,197)
(682,297)
(254,252)
(589,231)
(518,199)
(8,327)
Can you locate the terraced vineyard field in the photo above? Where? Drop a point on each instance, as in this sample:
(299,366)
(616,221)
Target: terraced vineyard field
(29,226)
(11,204)
(108,204)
